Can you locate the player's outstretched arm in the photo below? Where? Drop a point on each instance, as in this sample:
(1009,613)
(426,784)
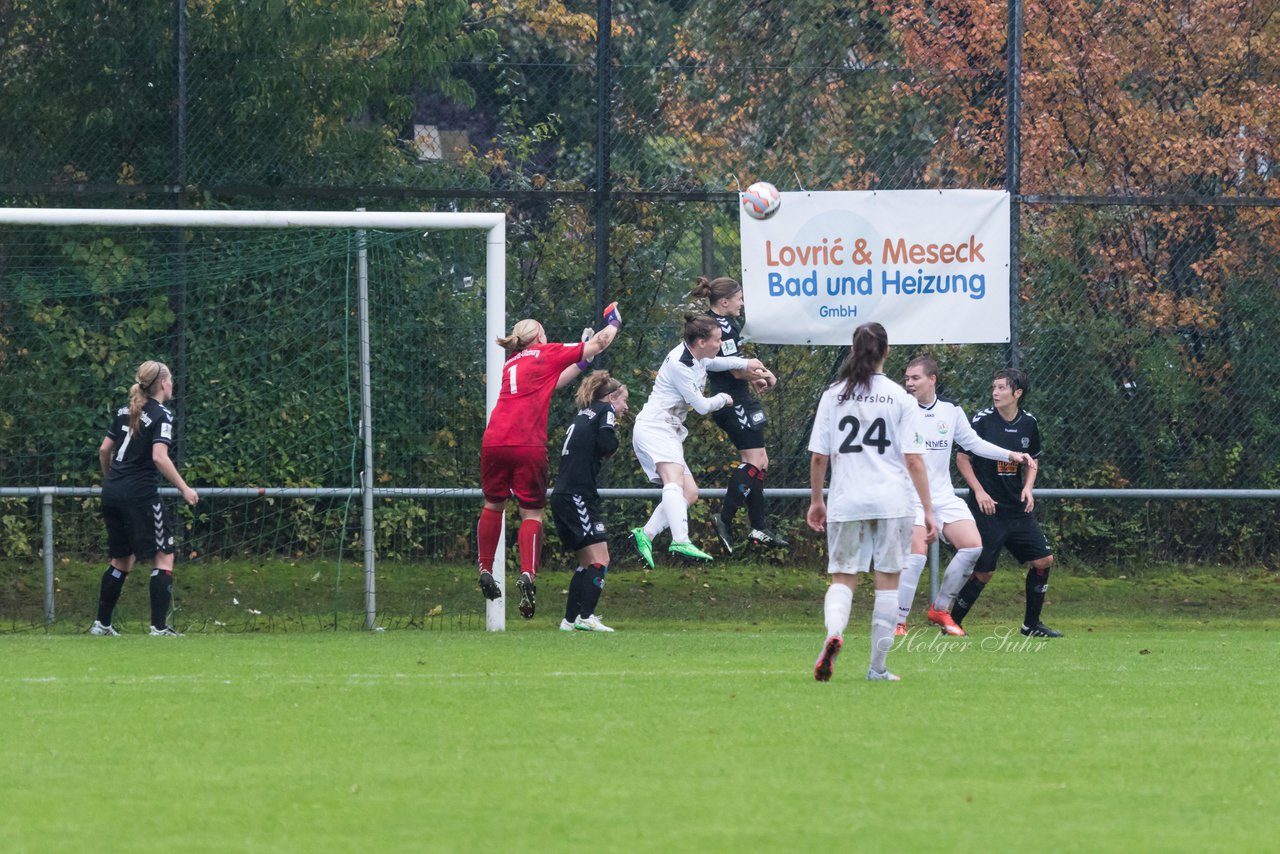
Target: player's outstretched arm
(599,343)
(968,439)
(572,372)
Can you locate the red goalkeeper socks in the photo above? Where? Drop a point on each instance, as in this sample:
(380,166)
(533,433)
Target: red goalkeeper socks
(530,545)
(488,532)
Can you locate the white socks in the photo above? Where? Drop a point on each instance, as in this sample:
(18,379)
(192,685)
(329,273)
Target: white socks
(677,512)
(835,609)
(657,522)
(908,581)
(956,574)
(883,619)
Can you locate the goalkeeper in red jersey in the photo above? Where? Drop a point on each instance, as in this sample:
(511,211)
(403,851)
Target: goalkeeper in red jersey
(513,455)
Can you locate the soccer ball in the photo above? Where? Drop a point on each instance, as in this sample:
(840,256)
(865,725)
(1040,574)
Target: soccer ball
(761,200)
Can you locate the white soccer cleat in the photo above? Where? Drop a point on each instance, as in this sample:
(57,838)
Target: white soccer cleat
(590,624)
(166,632)
(103,631)
(566,626)
(882,676)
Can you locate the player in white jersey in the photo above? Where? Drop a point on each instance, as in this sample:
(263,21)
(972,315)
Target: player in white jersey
(659,432)
(944,424)
(868,431)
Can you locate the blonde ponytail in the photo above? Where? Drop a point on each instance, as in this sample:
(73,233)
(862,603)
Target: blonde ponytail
(150,375)
(522,335)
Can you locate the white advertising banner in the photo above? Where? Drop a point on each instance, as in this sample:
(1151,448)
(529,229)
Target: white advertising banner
(932,266)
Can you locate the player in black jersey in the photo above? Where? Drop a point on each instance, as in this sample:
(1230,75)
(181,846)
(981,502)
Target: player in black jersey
(743,422)
(135,448)
(590,438)
(1001,499)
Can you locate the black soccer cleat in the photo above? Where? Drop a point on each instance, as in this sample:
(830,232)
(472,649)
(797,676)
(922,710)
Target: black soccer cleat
(527,592)
(488,586)
(1039,630)
(767,538)
(723,531)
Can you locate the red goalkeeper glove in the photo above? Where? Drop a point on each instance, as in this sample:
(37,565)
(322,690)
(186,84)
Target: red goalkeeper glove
(612,316)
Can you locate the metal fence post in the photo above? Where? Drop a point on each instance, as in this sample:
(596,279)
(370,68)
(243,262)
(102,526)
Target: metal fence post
(1013,171)
(46,512)
(604,119)
(366,434)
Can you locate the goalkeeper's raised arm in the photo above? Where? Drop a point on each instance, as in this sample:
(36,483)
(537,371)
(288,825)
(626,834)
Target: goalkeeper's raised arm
(594,343)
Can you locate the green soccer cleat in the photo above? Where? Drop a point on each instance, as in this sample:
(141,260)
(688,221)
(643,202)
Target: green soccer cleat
(688,550)
(643,545)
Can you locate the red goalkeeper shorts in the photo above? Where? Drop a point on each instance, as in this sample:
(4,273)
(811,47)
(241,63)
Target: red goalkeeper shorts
(519,470)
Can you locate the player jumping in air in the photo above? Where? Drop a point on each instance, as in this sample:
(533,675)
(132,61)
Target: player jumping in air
(513,454)
(659,432)
(743,422)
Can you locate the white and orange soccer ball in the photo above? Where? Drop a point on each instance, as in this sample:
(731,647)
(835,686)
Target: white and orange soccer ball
(760,200)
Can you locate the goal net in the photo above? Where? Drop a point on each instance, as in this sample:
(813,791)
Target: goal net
(329,374)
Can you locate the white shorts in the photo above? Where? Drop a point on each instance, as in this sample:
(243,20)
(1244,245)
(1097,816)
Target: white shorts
(853,546)
(658,442)
(946,509)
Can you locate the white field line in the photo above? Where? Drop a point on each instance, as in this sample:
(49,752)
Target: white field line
(368,678)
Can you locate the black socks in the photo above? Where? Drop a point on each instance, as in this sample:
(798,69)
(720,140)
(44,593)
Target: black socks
(161,596)
(109,593)
(584,591)
(736,495)
(593,587)
(746,486)
(1037,587)
(577,586)
(966,597)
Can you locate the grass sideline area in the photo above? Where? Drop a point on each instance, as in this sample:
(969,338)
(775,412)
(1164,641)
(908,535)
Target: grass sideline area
(695,738)
(281,596)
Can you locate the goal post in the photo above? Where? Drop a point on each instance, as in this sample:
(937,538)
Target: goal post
(359,222)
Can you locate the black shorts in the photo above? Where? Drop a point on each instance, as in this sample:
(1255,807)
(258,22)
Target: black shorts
(1021,535)
(579,521)
(743,424)
(137,527)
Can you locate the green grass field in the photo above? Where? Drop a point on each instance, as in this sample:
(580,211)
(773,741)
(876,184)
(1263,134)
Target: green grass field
(1150,727)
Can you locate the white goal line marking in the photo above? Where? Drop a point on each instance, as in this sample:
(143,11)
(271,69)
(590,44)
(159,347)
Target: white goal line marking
(365,678)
